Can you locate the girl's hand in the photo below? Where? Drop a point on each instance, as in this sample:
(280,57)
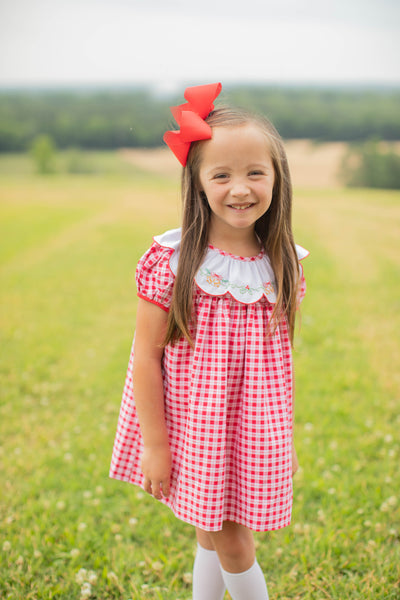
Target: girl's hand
(295,462)
(156,468)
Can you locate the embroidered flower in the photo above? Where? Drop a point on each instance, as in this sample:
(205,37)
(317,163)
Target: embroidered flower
(214,279)
(246,289)
(268,287)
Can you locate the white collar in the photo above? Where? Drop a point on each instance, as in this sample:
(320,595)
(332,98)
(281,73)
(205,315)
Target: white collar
(247,280)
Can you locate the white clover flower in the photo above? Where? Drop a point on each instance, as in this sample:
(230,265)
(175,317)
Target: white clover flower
(74,552)
(133,522)
(81,576)
(99,489)
(118,537)
(115,528)
(60,505)
(37,554)
(19,561)
(86,590)
(308,427)
(187,578)
(6,546)
(92,577)
(392,501)
(68,456)
(82,526)
(157,566)
(111,576)
(332,491)
(87,494)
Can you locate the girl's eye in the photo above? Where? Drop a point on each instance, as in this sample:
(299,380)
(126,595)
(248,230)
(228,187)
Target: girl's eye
(256,173)
(221,176)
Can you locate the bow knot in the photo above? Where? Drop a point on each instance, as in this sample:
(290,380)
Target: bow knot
(190,118)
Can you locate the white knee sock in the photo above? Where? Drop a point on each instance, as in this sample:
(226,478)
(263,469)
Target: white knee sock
(208,583)
(249,585)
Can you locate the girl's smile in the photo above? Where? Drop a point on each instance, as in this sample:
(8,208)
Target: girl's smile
(237,176)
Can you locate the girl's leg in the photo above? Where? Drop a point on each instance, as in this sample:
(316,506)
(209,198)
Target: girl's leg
(240,570)
(208,583)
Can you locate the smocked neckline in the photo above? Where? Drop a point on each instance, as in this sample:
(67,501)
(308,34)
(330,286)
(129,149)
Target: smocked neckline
(259,256)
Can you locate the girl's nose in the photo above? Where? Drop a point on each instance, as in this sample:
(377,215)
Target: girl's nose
(239,190)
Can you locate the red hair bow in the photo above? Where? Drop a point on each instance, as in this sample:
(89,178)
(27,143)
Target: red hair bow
(190,118)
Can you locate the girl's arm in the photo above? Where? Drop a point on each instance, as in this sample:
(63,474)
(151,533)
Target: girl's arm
(148,390)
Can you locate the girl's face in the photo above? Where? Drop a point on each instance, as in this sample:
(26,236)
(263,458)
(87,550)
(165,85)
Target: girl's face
(237,176)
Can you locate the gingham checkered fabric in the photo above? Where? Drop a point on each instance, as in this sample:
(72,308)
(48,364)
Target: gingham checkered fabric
(228,409)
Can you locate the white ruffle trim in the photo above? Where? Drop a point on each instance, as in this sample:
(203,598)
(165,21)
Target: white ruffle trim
(246,279)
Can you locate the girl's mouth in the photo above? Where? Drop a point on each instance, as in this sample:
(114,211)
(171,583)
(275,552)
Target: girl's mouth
(240,206)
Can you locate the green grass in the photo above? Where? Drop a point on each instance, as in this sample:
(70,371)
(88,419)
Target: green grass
(69,246)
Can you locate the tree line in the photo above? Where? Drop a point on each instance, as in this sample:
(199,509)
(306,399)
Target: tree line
(138,118)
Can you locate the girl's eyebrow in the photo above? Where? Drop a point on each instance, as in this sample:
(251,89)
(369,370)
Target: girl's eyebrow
(263,165)
(250,166)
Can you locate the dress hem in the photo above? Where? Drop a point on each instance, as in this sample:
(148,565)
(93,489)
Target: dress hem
(195,523)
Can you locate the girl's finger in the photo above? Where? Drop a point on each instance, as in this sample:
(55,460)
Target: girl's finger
(147,485)
(165,488)
(156,487)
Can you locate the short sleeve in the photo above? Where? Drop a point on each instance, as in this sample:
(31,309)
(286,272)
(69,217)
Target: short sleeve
(154,278)
(301,253)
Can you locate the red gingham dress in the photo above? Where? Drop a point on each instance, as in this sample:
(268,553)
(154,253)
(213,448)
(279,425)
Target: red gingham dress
(228,403)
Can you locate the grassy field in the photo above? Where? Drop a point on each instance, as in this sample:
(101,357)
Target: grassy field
(69,246)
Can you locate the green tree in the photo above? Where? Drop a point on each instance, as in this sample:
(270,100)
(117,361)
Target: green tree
(43,152)
(372,165)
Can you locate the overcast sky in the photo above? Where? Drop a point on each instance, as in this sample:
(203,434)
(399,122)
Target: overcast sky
(166,43)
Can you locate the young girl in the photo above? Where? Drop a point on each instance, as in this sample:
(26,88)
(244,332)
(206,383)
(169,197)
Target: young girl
(206,422)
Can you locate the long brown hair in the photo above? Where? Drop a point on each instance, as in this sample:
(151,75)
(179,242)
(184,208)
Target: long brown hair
(274,230)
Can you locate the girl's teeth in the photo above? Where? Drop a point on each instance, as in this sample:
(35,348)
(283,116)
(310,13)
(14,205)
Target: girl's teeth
(241,207)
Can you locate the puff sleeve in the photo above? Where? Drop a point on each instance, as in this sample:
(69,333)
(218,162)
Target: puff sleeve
(154,278)
(301,253)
